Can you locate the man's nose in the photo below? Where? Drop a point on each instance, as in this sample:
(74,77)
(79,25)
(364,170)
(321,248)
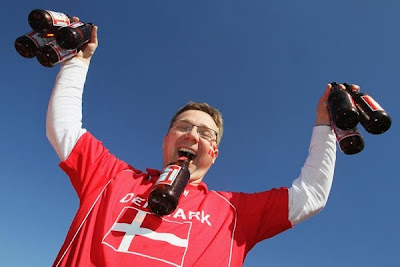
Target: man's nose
(193,134)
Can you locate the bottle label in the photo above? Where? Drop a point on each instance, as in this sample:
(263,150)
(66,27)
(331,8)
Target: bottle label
(59,19)
(352,102)
(372,104)
(38,39)
(341,134)
(63,54)
(76,24)
(169,175)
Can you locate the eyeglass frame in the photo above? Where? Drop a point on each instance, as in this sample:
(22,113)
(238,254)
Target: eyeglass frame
(197,130)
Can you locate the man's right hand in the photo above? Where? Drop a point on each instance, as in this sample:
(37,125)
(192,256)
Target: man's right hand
(87,51)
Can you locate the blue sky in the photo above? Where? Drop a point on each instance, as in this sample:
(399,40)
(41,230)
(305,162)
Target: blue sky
(264,64)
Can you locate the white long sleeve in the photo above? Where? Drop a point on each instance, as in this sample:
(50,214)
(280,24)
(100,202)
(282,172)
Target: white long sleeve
(64,114)
(309,192)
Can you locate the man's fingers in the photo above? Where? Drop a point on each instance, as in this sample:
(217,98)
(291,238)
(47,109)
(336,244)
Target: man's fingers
(93,38)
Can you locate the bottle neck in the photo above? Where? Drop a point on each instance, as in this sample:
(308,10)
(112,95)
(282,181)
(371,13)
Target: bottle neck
(186,155)
(183,159)
(335,87)
(350,89)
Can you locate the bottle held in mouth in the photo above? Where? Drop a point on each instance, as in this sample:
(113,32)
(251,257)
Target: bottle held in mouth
(342,109)
(27,45)
(48,21)
(372,117)
(164,196)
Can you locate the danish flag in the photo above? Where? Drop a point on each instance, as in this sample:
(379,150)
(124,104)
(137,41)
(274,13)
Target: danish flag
(141,233)
(212,149)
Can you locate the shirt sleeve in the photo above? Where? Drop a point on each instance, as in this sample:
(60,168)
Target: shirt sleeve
(90,166)
(309,192)
(261,215)
(64,113)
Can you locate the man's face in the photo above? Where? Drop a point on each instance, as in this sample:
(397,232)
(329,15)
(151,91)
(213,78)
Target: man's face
(205,151)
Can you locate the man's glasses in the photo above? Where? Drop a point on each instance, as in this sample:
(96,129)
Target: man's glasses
(203,131)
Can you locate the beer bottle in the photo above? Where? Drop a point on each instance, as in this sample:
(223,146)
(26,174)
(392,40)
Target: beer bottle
(47,21)
(350,141)
(28,44)
(51,54)
(342,109)
(164,196)
(372,116)
(74,35)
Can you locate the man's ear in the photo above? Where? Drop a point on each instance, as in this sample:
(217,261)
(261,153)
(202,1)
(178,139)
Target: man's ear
(215,155)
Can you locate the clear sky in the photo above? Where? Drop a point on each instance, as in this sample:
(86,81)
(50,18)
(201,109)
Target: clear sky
(264,64)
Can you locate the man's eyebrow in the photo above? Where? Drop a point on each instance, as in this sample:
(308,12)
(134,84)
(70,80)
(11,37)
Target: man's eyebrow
(201,124)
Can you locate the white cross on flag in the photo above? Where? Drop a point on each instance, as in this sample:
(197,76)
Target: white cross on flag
(143,234)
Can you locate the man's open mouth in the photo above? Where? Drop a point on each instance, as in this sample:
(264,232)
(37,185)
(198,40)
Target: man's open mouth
(183,151)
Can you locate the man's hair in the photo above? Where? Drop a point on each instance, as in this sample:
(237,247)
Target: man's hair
(213,112)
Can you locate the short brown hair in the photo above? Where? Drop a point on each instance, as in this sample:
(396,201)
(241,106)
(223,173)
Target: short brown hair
(213,112)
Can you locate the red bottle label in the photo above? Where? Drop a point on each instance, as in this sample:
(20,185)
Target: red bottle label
(76,24)
(59,19)
(63,54)
(373,105)
(169,174)
(38,39)
(352,102)
(341,134)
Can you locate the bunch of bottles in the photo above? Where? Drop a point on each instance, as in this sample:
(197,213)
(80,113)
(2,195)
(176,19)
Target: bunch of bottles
(54,38)
(349,107)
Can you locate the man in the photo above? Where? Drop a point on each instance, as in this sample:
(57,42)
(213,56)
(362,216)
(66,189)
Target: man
(113,225)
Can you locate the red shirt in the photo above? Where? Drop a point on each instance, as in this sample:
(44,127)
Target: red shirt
(113,226)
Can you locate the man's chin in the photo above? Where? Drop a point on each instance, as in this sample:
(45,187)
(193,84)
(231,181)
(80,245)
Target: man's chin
(195,181)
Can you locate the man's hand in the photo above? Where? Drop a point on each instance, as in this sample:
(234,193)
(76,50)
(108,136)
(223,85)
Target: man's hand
(87,51)
(323,117)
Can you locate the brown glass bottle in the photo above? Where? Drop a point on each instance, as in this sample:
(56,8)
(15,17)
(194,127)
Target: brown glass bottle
(163,198)
(74,36)
(47,21)
(350,141)
(51,54)
(342,109)
(372,117)
(27,45)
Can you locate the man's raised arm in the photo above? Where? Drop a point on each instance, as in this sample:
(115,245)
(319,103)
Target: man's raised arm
(309,192)
(64,114)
